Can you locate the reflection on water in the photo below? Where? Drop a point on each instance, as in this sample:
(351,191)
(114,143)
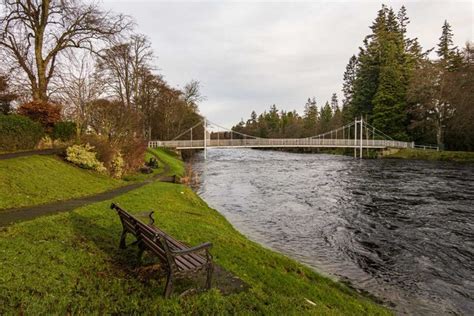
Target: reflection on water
(402,230)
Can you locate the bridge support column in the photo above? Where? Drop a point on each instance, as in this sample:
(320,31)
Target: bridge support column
(205,138)
(355,138)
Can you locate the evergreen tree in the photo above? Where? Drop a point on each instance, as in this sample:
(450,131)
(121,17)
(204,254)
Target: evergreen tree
(334,102)
(326,117)
(445,49)
(348,88)
(311,117)
(389,102)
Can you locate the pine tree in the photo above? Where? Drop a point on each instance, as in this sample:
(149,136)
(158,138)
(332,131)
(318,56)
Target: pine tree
(348,84)
(389,102)
(334,102)
(311,117)
(445,49)
(326,117)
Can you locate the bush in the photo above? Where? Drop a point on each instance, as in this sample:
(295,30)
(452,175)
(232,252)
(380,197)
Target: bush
(64,131)
(110,156)
(45,113)
(19,133)
(117,166)
(133,150)
(84,157)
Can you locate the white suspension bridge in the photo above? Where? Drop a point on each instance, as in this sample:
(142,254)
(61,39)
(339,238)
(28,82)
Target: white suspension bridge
(358,135)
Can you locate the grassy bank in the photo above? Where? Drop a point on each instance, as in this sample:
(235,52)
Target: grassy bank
(176,166)
(40,179)
(70,263)
(421,154)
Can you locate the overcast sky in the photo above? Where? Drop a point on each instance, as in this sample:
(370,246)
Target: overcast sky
(249,55)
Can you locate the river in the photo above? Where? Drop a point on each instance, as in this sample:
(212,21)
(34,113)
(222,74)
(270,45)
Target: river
(400,230)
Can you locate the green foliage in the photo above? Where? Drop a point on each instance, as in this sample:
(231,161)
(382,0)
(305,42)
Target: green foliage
(326,117)
(19,133)
(85,157)
(70,263)
(385,65)
(40,179)
(64,131)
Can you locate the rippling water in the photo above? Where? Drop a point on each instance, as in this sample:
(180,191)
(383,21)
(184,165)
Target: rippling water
(401,230)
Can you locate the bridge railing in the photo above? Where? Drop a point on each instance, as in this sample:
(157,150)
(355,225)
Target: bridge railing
(281,142)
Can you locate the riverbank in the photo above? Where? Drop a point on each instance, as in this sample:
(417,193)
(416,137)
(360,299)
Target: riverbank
(428,154)
(70,263)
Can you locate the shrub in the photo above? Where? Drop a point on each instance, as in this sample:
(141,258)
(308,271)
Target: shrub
(110,156)
(64,131)
(84,157)
(45,113)
(19,133)
(133,150)
(117,166)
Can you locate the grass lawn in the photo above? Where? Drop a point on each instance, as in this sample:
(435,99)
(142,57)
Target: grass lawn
(40,179)
(70,263)
(170,158)
(421,154)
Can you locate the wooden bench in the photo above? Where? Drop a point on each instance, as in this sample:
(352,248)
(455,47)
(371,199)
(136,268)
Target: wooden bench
(179,260)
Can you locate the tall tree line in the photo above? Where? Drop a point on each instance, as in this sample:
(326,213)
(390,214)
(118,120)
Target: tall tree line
(276,123)
(397,87)
(404,92)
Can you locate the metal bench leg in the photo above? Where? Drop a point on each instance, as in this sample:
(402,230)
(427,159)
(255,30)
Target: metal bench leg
(210,270)
(141,249)
(122,240)
(169,285)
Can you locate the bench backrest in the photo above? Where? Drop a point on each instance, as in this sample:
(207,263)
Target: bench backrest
(154,239)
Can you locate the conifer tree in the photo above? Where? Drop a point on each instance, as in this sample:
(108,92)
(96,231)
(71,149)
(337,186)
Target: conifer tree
(311,117)
(326,117)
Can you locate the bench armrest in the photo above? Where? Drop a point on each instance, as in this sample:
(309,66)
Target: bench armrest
(205,246)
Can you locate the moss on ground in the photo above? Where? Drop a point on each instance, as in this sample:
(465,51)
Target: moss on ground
(421,154)
(35,180)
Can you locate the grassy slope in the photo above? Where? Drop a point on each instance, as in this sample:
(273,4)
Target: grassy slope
(70,262)
(40,179)
(460,156)
(170,158)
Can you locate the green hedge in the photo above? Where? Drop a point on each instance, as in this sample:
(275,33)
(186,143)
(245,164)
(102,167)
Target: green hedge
(64,131)
(19,133)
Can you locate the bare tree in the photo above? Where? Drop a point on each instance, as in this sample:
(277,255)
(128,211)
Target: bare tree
(125,67)
(79,88)
(192,93)
(34,34)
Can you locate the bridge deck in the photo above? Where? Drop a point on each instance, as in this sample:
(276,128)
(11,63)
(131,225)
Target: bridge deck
(281,143)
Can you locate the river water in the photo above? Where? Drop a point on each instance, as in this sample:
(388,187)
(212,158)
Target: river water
(400,230)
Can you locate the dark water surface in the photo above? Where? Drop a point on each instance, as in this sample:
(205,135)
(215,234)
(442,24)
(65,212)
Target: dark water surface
(401,230)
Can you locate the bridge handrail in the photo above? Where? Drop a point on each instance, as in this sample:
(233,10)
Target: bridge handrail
(281,142)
